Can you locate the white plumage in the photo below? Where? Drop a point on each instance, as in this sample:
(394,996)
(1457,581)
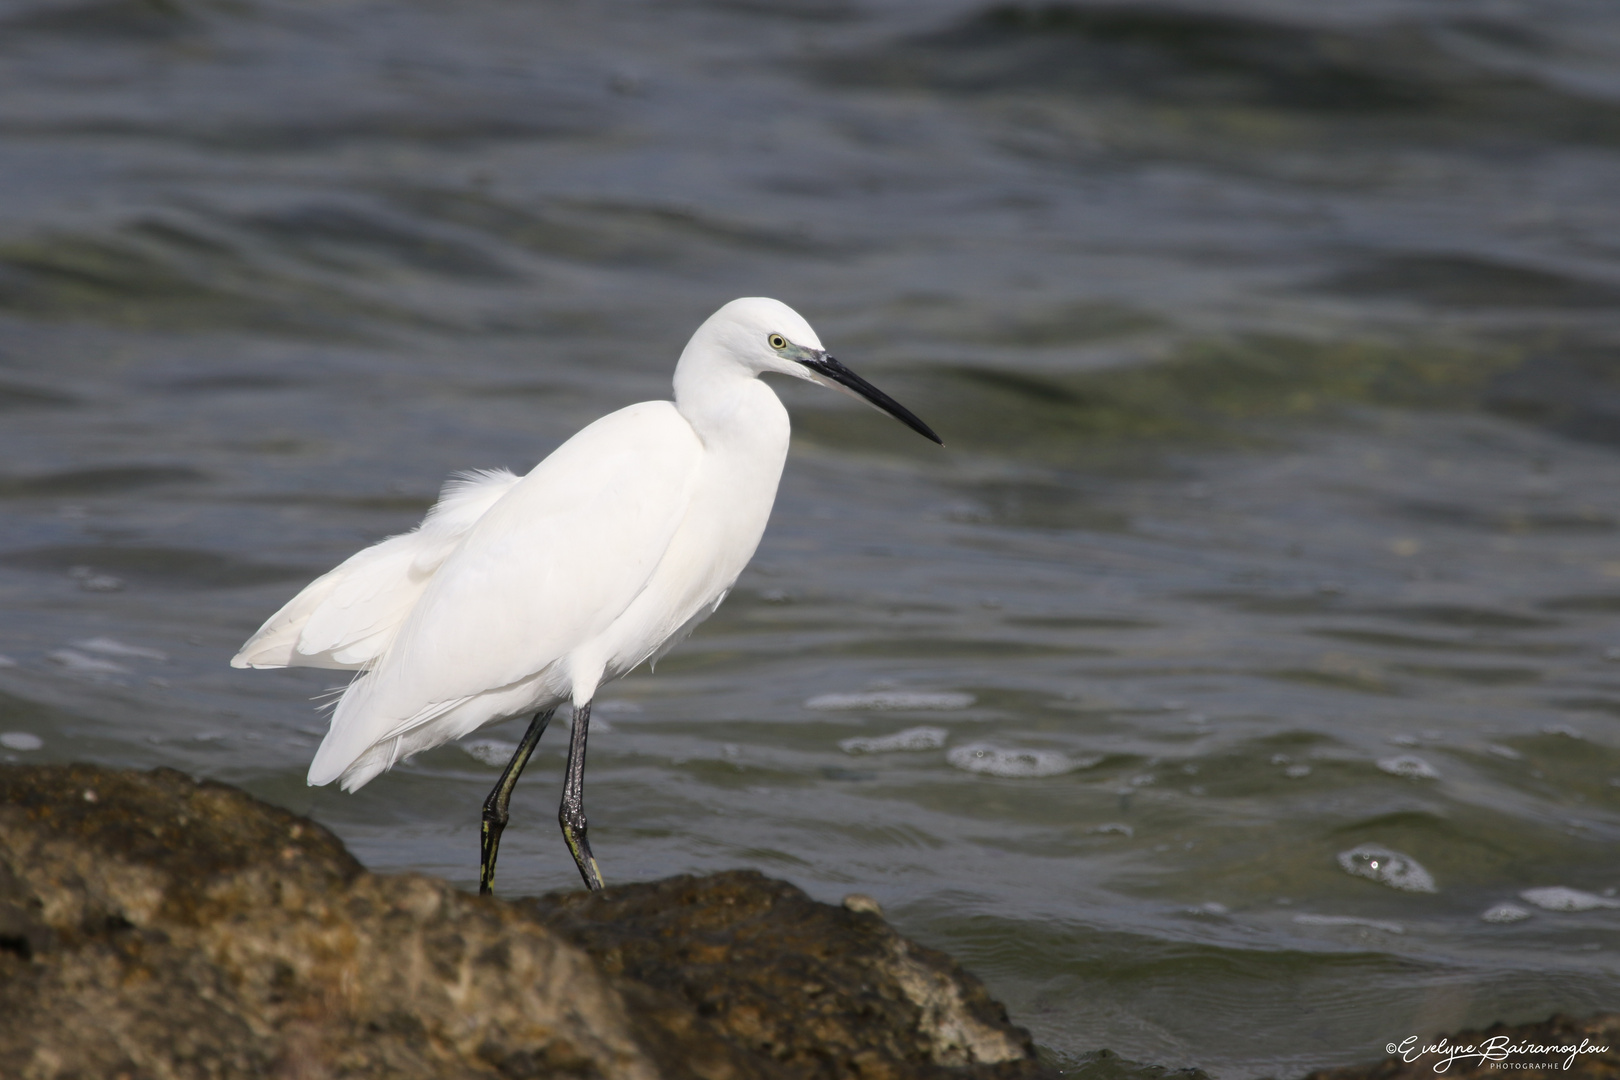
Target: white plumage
(517,594)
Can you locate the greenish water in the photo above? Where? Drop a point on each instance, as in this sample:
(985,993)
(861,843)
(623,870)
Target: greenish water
(1277,354)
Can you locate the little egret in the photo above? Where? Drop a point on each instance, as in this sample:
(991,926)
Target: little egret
(516,594)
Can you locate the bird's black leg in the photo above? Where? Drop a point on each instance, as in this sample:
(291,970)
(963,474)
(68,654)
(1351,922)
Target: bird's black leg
(572,812)
(495,813)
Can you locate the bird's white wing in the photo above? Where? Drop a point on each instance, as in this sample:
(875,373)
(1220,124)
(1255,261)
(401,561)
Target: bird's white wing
(542,574)
(346,617)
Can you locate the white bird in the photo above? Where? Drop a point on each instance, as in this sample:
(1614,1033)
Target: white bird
(516,594)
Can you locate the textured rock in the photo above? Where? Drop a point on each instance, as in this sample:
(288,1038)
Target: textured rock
(820,991)
(156,927)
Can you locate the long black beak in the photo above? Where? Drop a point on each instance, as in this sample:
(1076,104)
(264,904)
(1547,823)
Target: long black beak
(829,368)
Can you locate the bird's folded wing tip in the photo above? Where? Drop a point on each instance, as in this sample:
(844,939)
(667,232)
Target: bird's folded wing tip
(318,776)
(257,662)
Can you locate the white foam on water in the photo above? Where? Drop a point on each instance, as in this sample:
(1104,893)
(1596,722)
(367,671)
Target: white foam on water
(1559,898)
(622,708)
(101,583)
(496,752)
(1505,913)
(80,662)
(1378,863)
(21,740)
(916,738)
(1112,827)
(1410,766)
(1297,772)
(1506,753)
(6,661)
(1404,740)
(1019,764)
(1349,920)
(891,699)
(107,646)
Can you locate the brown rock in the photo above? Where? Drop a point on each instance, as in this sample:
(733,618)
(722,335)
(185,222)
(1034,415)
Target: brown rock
(155,927)
(820,991)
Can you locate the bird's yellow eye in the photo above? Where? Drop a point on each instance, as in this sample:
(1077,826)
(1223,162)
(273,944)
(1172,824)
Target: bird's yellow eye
(777,341)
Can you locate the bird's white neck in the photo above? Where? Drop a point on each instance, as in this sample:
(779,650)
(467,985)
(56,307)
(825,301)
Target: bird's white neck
(724,401)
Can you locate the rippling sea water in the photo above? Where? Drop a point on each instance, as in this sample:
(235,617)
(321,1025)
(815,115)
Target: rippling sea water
(1261,621)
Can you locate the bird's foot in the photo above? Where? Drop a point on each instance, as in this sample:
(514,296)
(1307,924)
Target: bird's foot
(573,830)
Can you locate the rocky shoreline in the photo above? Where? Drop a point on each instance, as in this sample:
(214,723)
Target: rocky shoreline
(155,926)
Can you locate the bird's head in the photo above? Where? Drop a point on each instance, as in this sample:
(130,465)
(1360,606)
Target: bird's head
(765,335)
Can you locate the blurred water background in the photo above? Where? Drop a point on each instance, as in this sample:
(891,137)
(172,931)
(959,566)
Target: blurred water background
(1256,636)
